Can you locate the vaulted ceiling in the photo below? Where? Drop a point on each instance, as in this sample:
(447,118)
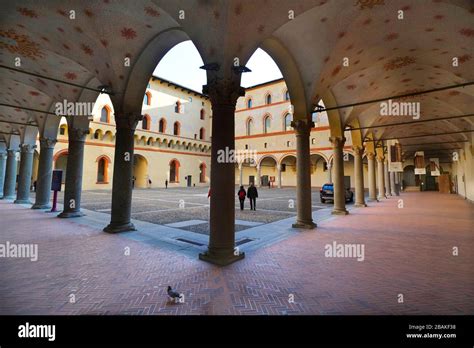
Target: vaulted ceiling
(386,55)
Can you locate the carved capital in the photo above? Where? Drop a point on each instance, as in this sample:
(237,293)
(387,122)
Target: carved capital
(337,142)
(47,143)
(27,148)
(358,150)
(224,91)
(127,121)
(370,155)
(302,127)
(77,134)
(380,158)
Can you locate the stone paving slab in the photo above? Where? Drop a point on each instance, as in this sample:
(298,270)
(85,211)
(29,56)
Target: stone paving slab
(186,223)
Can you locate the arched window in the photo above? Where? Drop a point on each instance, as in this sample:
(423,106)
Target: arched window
(287,122)
(97,134)
(102,167)
(174,171)
(249,103)
(249,126)
(162,126)
(266,124)
(202,173)
(202,133)
(287,95)
(105,115)
(268,99)
(202,114)
(146,122)
(176,128)
(177,107)
(147,98)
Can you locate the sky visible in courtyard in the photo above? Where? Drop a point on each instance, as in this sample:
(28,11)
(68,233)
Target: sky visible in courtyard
(181,65)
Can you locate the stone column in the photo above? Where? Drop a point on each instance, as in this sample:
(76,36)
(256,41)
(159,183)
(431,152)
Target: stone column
(241,173)
(75,161)
(24,180)
(3,167)
(371,172)
(392,184)
(338,179)
(122,189)
(258,179)
(45,173)
(304,207)
(223,94)
(359,177)
(279,175)
(380,178)
(329,172)
(386,179)
(10,174)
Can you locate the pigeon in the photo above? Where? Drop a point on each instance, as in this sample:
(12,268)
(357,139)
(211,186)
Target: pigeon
(173,295)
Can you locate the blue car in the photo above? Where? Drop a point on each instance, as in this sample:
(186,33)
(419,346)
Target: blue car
(327,193)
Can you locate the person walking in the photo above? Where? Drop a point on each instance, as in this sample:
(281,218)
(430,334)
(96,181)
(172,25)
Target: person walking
(252,194)
(241,194)
(166,184)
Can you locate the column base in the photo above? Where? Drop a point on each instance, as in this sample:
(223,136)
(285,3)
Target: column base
(360,205)
(41,206)
(70,214)
(372,200)
(114,227)
(22,201)
(393,194)
(379,198)
(307,225)
(339,212)
(220,258)
(8,197)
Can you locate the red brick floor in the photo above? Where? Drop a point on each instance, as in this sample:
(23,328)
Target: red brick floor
(407,251)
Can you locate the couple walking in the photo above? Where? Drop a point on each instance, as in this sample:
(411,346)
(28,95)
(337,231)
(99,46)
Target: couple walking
(252,195)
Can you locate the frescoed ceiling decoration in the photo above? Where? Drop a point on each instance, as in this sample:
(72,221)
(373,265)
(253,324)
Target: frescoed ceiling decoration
(353,49)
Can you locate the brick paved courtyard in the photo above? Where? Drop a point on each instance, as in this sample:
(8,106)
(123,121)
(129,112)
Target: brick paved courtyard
(407,251)
(190,206)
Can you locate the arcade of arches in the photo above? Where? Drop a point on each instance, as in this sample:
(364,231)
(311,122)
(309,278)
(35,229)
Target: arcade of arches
(301,131)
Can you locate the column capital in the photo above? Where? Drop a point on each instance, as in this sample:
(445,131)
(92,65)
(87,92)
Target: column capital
(370,155)
(223,91)
(47,143)
(12,152)
(27,148)
(358,150)
(302,127)
(77,134)
(127,121)
(279,166)
(337,141)
(380,158)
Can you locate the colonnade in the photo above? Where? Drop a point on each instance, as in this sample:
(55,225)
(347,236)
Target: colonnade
(221,250)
